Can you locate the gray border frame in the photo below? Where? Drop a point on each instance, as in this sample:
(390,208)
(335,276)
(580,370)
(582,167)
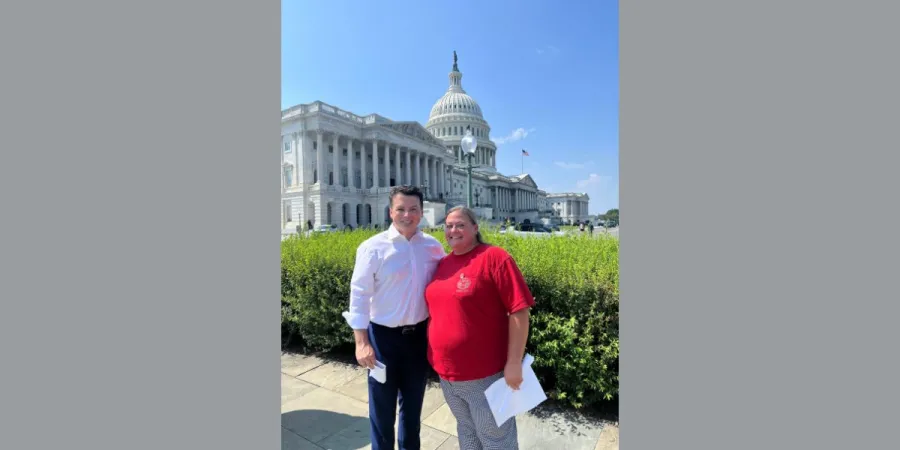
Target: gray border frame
(140,284)
(140,253)
(758,214)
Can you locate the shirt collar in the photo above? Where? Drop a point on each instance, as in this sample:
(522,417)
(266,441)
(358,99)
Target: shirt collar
(394,234)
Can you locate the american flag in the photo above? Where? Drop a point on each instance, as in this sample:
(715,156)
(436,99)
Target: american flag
(525,153)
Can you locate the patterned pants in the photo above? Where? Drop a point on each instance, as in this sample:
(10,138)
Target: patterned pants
(475,423)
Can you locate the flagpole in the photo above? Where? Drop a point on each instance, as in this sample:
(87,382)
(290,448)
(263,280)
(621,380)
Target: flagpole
(522,155)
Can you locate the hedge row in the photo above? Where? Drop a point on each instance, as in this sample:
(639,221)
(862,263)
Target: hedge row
(574,327)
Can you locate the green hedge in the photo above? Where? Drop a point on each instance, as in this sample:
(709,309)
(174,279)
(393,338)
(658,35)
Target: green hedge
(574,327)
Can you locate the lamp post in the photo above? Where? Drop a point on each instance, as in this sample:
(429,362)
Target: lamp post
(468,145)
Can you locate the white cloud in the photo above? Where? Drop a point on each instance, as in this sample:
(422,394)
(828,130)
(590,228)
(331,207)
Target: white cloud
(517,135)
(548,49)
(592,180)
(603,192)
(567,165)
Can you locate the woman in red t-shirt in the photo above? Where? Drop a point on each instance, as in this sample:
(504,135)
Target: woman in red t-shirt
(478,303)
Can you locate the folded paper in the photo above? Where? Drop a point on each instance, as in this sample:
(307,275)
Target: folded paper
(379,372)
(506,402)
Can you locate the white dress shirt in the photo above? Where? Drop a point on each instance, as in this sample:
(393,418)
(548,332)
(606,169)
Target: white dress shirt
(389,279)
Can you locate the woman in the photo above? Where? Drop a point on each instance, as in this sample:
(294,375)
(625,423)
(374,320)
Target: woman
(478,303)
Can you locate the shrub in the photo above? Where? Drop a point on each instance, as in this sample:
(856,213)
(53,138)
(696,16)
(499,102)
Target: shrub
(574,327)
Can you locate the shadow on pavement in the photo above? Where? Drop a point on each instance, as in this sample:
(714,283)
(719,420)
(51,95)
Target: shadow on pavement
(327,429)
(565,420)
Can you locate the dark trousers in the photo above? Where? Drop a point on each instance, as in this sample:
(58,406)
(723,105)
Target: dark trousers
(404,351)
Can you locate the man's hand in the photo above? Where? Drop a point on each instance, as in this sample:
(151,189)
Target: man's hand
(365,354)
(513,374)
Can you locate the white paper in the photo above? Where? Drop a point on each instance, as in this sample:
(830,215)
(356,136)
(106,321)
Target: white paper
(506,403)
(379,372)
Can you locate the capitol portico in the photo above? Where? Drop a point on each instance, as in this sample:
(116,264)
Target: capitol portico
(337,167)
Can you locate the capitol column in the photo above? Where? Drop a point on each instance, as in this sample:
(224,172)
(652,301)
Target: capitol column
(352,220)
(351,178)
(320,156)
(437,177)
(435,182)
(298,161)
(429,164)
(336,171)
(442,175)
(397,181)
(408,168)
(387,164)
(375,169)
(306,159)
(363,172)
(417,176)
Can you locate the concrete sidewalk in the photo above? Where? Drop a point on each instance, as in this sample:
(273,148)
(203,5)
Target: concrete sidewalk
(324,406)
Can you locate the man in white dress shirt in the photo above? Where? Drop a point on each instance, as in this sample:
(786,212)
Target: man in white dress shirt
(388,316)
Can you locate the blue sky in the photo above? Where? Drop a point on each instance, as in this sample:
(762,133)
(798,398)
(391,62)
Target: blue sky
(546,77)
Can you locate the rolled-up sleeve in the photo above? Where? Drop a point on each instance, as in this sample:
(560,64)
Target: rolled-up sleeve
(362,288)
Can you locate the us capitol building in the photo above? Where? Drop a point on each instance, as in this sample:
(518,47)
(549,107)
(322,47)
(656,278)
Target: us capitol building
(337,167)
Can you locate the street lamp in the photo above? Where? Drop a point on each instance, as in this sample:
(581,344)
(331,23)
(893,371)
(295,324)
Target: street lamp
(468,145)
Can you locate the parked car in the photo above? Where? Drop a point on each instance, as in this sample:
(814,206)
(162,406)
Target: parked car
(322,229)
(531,229)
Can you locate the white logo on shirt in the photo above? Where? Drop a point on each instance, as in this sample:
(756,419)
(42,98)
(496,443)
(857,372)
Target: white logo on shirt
(463,284)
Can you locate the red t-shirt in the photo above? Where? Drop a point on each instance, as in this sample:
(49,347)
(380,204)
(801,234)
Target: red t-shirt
(469,300)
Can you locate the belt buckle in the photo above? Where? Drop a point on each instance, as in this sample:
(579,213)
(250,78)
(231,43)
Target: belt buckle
(408,329)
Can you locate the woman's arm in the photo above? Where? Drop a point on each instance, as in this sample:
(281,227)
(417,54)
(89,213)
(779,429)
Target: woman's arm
(518,335)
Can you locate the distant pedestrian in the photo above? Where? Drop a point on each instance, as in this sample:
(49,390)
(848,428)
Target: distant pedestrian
(591,228)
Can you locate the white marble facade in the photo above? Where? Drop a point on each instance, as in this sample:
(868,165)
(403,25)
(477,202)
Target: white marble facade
(569,207)
(337,168)
(375,153)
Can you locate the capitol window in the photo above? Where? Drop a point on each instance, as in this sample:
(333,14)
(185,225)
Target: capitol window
(287,147)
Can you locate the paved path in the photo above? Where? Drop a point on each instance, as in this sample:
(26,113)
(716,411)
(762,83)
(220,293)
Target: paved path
(324,406)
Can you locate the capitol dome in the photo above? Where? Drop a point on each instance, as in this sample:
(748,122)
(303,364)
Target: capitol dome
(455,102)
(453,114)
(456,105)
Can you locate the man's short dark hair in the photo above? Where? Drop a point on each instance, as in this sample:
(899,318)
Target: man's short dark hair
(407,190)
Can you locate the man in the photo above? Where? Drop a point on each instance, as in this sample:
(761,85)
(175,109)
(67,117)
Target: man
(388,316)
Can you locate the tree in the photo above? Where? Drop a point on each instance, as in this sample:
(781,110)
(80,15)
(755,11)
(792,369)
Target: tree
(612,217)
